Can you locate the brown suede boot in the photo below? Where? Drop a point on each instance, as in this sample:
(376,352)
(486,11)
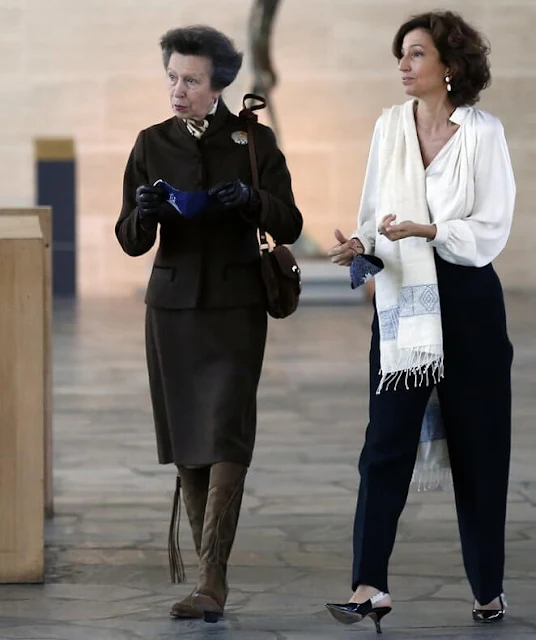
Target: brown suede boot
(221,519)
(194,494)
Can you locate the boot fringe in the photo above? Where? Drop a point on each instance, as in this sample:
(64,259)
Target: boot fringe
(176,565)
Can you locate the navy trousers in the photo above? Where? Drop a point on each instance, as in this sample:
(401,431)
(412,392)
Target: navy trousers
(475,400)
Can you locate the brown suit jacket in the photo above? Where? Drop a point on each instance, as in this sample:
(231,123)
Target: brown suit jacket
(212,260)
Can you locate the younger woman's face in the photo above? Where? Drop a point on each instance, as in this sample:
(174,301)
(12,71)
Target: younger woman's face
(423,73)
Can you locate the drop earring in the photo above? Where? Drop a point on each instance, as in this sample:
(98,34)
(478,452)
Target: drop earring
(447,80)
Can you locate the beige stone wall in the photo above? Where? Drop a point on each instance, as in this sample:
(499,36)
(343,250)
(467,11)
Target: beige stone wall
(90,69)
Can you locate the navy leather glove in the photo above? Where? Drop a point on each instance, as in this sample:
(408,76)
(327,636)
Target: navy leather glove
(150,200)
(235,194)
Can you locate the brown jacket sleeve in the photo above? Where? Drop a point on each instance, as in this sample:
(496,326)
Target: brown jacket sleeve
(279,215)
(135,237)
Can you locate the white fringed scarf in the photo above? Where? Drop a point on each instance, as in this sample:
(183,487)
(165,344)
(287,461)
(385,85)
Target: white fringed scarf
(407,295)
(432,466)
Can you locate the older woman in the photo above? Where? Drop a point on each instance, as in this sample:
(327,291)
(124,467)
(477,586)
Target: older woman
(436,208)
(206,319)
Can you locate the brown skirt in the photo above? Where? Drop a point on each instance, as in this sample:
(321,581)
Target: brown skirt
(204,368)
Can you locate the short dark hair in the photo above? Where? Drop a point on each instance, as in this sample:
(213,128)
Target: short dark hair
(461,47)
(200,40)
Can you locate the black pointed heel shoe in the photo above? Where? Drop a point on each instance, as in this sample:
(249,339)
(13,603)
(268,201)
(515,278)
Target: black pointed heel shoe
(355,612)
(491,615)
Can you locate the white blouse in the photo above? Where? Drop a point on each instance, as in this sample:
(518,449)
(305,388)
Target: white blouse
(473,218)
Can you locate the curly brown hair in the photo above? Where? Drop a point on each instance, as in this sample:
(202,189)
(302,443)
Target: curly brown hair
(461,48)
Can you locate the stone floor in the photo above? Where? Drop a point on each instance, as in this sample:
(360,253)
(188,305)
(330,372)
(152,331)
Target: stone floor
(106,576)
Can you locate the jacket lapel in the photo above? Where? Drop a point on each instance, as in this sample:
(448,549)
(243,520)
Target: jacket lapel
(219,119)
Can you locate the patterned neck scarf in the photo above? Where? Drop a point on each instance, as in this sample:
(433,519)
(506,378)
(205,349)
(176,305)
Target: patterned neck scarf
(198,127)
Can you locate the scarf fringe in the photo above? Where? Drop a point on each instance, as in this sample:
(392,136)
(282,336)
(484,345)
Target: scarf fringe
(435,479)
(176,565)
(421,373)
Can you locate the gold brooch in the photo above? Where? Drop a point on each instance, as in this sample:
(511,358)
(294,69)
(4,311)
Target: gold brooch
(240,137)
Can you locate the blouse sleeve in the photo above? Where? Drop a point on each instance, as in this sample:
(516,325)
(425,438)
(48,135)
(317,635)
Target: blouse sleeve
(366,220)
(479,238)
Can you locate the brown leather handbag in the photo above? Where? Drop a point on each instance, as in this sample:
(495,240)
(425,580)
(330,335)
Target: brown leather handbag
(280,271)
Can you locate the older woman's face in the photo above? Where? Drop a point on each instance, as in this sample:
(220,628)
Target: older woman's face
(423,73)
(190,91)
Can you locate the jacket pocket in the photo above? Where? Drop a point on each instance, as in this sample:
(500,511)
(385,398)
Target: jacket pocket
(161,277)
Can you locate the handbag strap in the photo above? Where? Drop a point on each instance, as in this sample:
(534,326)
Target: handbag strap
(251,118)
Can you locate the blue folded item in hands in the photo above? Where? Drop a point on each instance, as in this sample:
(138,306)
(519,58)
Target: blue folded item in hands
(363,268)
(187,203)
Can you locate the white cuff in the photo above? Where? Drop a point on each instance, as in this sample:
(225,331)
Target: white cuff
(442,234)
(366,242)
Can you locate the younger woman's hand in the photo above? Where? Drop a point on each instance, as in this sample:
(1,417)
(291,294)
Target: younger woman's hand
(407,229)
(346,250)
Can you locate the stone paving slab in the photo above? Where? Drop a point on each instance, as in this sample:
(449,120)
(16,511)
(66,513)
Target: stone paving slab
(107,575)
